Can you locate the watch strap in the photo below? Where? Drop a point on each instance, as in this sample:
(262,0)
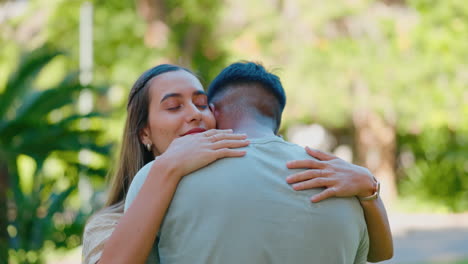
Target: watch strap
(376,193)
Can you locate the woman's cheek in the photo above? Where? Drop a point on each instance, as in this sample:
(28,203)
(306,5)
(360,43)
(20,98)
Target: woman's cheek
(210,120)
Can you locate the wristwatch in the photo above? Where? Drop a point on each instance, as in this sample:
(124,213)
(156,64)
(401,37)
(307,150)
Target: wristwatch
(376,193)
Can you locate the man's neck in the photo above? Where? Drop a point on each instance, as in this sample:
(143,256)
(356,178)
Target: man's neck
(253,128)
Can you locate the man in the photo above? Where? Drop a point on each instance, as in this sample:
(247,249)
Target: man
(241,210)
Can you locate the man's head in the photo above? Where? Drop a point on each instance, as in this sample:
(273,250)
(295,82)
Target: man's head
(248,88)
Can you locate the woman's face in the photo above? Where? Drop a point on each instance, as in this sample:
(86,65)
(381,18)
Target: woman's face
(178,106)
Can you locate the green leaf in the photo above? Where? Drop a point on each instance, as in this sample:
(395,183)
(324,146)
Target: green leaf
(22,79)
(37,105)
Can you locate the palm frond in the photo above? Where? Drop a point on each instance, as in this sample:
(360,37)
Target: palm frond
(39,104)
(22,79)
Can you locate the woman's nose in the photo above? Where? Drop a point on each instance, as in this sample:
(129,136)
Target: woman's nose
(193,113)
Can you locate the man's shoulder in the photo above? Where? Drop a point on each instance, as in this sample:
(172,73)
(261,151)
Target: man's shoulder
(137,183)
(272,140)
(272,150)
(141,175)
(278,147)
(143,172)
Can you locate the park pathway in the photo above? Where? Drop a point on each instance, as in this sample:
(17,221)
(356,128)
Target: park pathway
(429,238)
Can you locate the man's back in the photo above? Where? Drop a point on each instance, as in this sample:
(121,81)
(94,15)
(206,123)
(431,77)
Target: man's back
(241,210)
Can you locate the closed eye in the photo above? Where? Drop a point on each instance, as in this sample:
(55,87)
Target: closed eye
(175,108)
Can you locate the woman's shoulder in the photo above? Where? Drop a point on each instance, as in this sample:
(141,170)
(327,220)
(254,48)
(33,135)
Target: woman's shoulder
(98,229)
(108,216)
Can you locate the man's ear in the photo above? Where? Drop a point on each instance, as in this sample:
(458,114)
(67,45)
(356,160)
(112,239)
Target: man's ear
(214,111)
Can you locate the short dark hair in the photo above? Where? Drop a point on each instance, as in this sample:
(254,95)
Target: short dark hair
(246,73)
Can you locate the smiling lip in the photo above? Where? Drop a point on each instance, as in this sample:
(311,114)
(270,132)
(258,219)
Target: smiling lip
(194,131)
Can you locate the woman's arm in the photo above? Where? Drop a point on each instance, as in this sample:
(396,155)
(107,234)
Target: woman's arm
(343,179)
(134,235)
(380,236)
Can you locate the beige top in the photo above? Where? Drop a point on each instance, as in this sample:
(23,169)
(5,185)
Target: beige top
(97,231)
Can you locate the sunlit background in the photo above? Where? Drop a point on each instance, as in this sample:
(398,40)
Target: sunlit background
(380,83)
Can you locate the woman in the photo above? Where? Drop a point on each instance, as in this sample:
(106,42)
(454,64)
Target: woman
(164,106)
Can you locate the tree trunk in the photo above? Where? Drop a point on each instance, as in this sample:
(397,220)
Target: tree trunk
(157,31)
(154,14)
(4,238)
(376,149)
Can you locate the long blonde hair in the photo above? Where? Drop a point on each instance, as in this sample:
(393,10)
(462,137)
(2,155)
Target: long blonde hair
(133,154)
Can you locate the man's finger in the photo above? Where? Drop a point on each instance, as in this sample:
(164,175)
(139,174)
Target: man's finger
(320,155)
(327,193)
(304,175)
(305,164)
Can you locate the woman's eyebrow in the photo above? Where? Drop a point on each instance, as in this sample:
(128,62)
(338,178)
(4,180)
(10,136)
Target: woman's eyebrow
(170,95)
(199,93)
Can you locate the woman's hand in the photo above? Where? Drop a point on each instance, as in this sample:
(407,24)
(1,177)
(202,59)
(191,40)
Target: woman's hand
(343,179)
(192,152)
(340,178)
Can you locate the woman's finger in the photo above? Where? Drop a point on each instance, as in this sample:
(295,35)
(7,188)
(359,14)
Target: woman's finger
(229,143)
(327,193)
(226,153)
(304,175)
(225,136)
(222,137)
(320,155)
(305,164)
(314,183)
(212,132)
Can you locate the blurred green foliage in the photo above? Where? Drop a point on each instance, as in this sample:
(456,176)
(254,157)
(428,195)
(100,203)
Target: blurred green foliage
(46,143)
(404,60)
(434,163)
